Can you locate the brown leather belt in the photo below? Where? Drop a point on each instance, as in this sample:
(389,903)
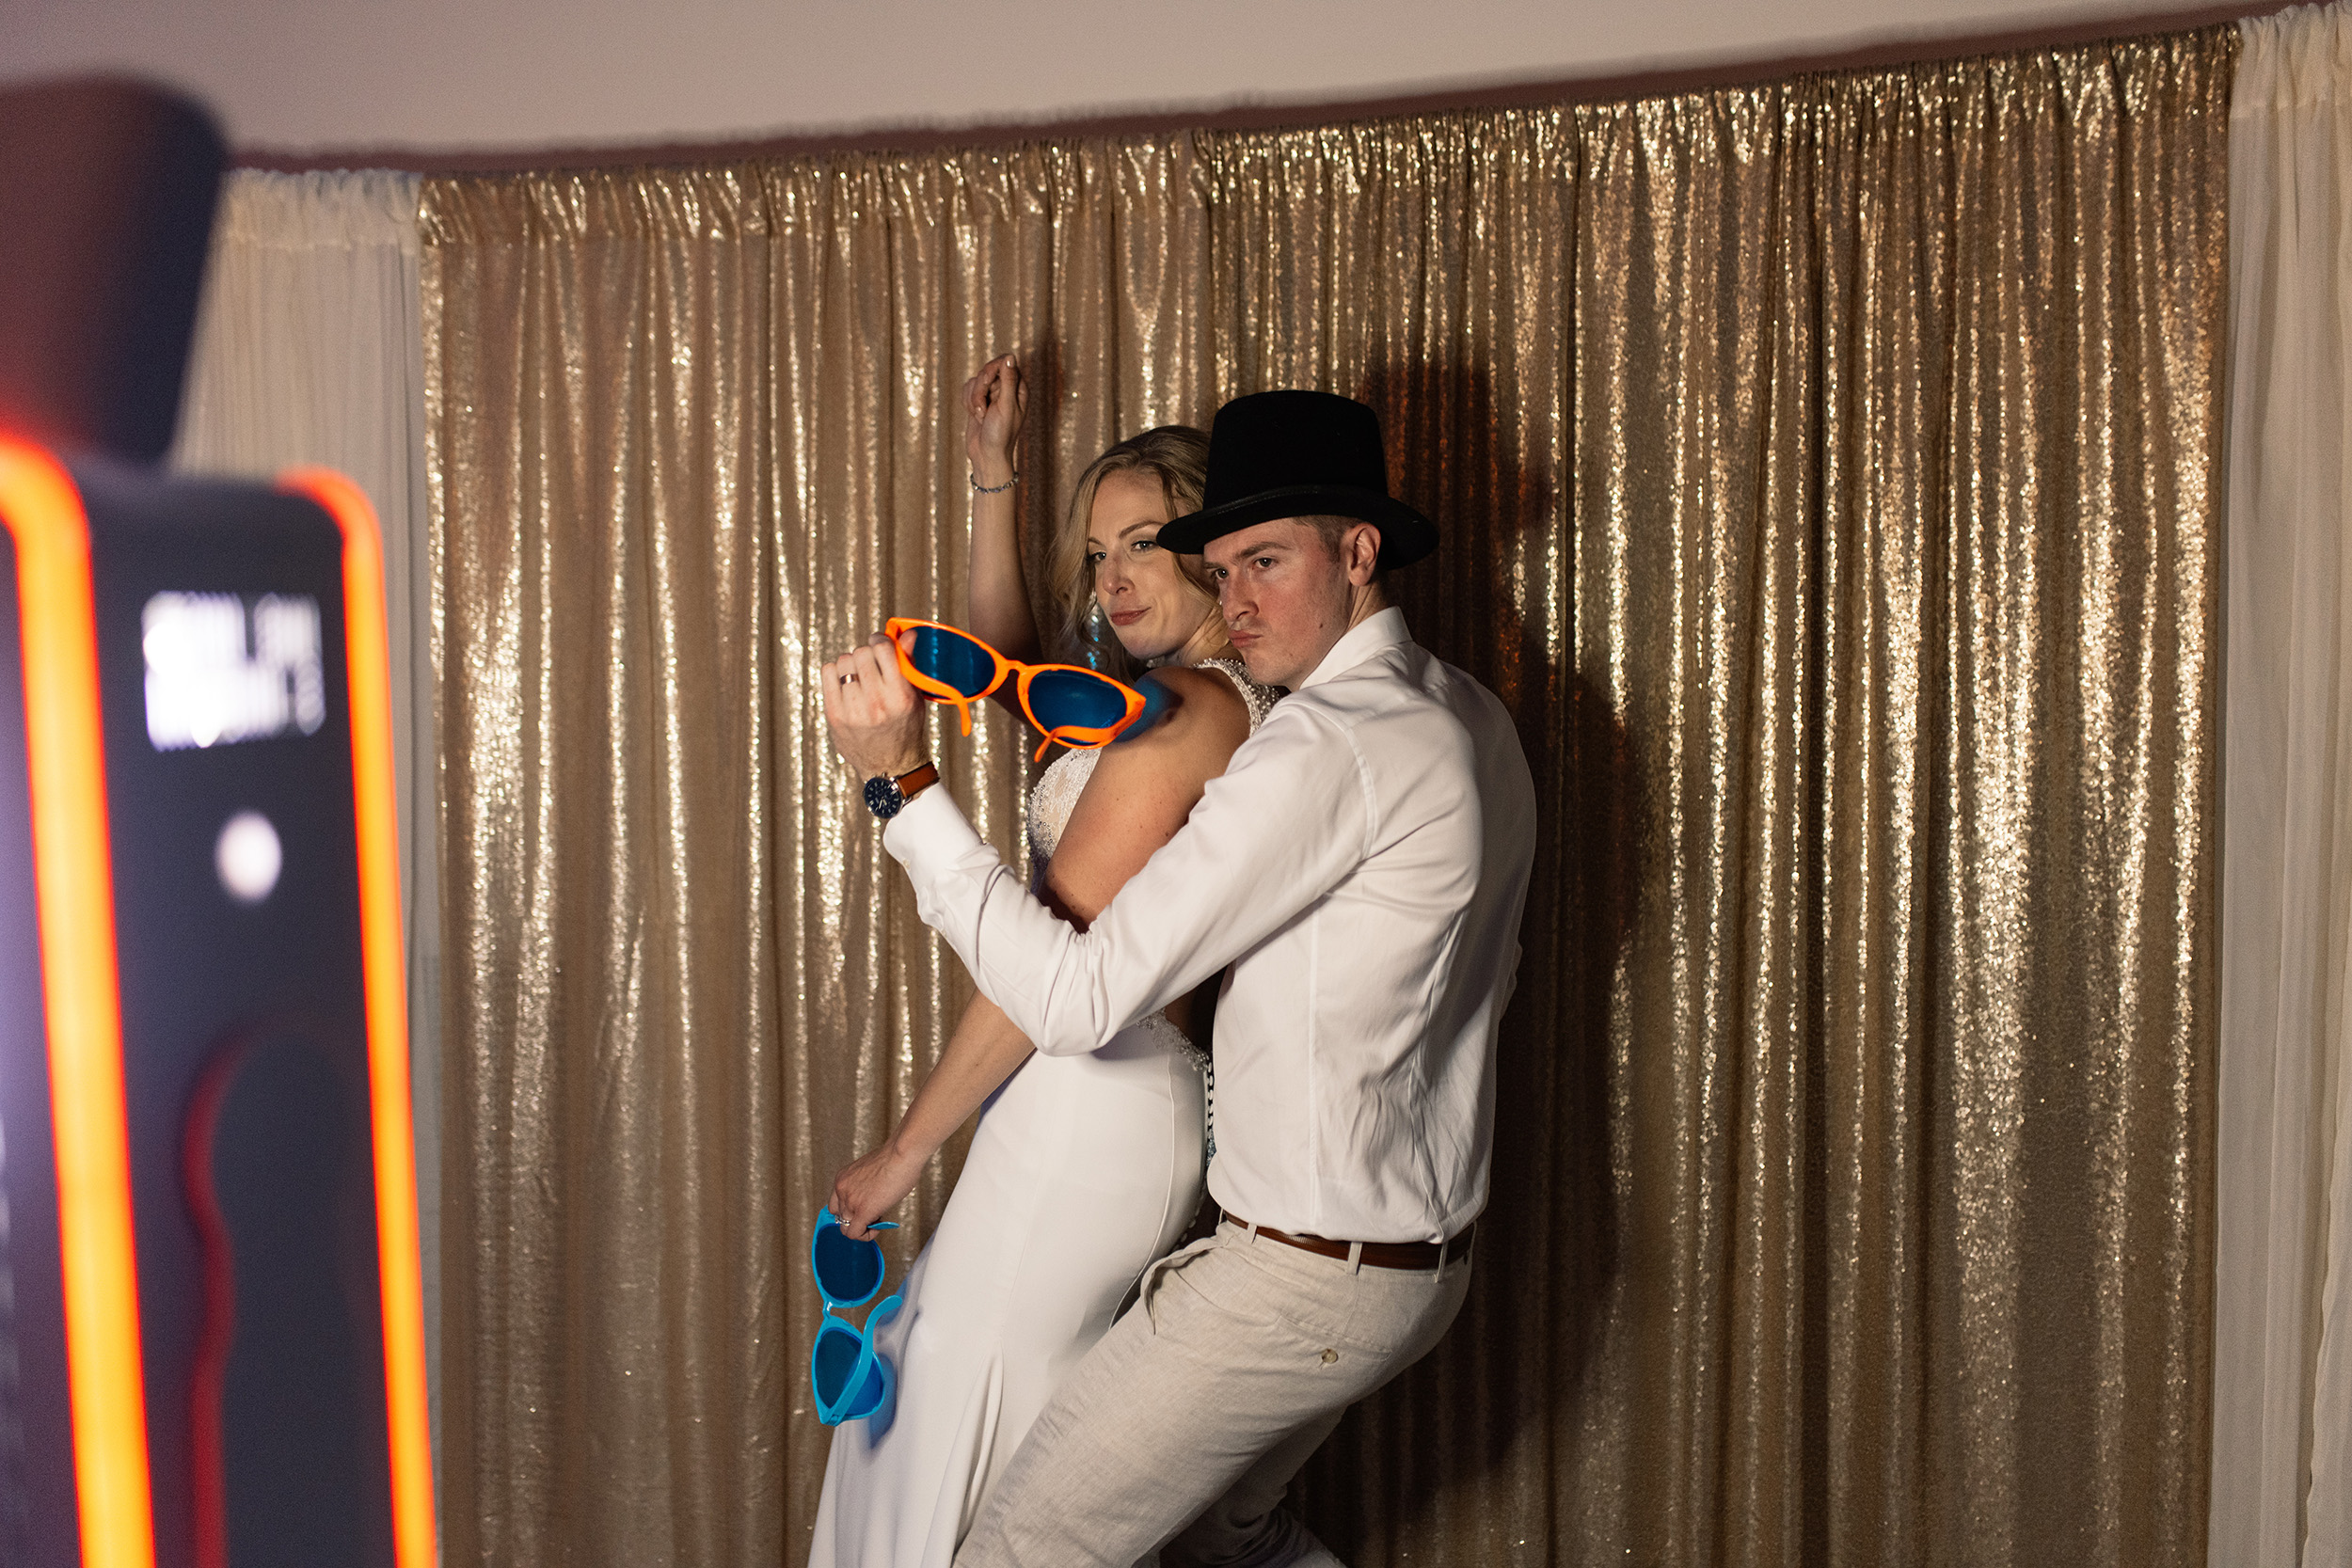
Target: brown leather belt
(1379,1255)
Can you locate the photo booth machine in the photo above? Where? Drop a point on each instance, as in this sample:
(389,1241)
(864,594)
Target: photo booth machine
(212,1348)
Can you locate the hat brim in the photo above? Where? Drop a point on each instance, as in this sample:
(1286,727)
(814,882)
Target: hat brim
(1405,535)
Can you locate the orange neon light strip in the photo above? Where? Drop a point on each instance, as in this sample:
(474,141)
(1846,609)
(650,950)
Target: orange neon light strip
(74,878)
(368,665)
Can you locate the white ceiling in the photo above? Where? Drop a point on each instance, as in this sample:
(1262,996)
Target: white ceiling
(300,76)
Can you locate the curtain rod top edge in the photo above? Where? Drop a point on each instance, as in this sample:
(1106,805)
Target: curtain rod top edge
(1261,116)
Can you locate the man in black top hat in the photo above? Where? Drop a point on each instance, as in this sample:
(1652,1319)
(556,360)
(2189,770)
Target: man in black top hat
(1360,865)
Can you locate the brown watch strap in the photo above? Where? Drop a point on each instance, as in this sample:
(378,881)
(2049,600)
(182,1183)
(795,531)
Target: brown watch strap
(912,784)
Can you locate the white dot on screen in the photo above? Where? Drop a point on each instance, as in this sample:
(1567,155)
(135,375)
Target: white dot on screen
(249,857)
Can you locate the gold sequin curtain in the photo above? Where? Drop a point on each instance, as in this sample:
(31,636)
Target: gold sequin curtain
(1828,471)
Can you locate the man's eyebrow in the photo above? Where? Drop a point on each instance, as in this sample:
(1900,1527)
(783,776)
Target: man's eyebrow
(1260,546)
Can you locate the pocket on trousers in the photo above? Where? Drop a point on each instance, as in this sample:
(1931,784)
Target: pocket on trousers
(1316,1323)
(1157,1272)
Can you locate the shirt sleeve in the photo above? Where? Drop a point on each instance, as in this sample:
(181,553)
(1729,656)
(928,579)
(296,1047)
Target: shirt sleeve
(1286,822)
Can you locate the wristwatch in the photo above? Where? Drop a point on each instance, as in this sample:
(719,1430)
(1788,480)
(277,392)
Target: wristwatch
(886,797)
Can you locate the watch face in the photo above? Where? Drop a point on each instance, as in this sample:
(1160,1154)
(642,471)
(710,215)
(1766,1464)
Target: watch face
(883,798)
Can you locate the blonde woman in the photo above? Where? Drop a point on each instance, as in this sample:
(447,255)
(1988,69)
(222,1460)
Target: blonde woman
(1083,1169)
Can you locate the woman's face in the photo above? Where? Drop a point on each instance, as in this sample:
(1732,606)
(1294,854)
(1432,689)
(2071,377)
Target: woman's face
(1155,608)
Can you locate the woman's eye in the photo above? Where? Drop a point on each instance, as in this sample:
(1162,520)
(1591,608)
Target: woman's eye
(1094,558)
(1143,544)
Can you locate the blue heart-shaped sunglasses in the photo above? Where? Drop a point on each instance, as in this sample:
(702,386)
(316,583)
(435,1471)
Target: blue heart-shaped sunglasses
(851,1379)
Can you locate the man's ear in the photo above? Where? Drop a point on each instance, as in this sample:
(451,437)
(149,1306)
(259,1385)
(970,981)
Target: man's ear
(1361,553)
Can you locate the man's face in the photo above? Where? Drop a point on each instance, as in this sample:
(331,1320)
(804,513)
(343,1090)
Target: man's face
(1284,596)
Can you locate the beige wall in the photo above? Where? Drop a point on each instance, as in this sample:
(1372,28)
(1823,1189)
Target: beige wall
(303,74)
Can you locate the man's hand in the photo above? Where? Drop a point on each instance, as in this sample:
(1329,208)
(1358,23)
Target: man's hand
(869,1187)
(875,715)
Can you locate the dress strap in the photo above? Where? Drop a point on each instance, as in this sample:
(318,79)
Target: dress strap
(1260,699)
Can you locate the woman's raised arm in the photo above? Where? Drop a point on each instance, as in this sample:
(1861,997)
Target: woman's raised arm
(999,612)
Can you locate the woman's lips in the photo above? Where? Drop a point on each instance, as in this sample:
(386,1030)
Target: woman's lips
(1127,617)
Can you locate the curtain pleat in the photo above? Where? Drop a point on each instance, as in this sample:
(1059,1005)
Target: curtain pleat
(1828,473)
(2283,1310)
(308,350)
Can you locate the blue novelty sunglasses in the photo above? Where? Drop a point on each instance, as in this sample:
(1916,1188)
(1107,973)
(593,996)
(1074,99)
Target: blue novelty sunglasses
(851,1379)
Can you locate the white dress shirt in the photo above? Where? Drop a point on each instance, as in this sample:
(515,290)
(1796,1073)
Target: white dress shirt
(1362,864)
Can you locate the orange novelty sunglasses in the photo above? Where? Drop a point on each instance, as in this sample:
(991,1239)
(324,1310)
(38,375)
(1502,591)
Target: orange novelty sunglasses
(1069,703)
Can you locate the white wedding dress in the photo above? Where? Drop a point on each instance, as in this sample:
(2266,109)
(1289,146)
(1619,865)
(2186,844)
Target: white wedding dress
(1083,1170)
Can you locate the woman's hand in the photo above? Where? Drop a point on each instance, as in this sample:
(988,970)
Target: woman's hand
(993,401)
(997,610)
(870,1186)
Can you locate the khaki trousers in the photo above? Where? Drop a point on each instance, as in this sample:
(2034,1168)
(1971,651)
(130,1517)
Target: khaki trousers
(1183,1428)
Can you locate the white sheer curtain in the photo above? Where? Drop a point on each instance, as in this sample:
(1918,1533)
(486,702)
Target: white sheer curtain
(2283,1293)
(309,350)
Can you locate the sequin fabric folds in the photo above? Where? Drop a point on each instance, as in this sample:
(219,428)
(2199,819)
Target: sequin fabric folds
(1828,473)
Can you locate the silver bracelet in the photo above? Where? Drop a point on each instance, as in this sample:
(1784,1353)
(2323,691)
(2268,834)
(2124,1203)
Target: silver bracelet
(978,488)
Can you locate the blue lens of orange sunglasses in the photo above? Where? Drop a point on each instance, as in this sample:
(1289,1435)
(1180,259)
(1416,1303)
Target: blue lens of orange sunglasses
(1070,699)
(954,660)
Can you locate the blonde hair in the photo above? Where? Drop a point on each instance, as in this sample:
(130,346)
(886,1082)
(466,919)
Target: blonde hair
(1178,456)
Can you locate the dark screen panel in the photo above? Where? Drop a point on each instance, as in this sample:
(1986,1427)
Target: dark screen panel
(207,975)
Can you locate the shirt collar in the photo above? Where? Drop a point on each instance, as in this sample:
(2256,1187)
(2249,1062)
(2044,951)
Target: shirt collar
(1366,638)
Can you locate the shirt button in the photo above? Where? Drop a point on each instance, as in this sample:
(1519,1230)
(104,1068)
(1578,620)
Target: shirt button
(1330,1356)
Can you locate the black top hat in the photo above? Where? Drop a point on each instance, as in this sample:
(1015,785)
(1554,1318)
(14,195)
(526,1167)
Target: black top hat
(1300,454)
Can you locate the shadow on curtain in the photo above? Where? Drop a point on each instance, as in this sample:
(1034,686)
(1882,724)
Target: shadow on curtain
(1829,472)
